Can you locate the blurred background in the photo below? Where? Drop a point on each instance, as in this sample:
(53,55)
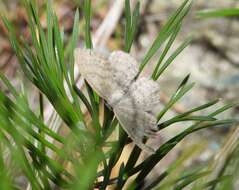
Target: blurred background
(211,59)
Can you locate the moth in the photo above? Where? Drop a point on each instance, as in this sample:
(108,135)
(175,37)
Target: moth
(133,100)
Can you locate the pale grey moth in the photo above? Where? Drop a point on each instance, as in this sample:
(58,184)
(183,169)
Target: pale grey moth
(133,101)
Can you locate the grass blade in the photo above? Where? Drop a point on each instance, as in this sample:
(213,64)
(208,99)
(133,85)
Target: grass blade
(166,31)
(87,12)
(173,56)
(227,12)
(165,51)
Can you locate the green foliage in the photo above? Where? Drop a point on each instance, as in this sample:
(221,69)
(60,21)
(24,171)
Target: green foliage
(41,154)
(131,24)
(227,12)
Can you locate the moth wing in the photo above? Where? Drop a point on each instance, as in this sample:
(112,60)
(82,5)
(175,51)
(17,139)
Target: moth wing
(146,93)
(97,71)
(124,69)
(124,66)
(136,111)
(110,78)
(129,119)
